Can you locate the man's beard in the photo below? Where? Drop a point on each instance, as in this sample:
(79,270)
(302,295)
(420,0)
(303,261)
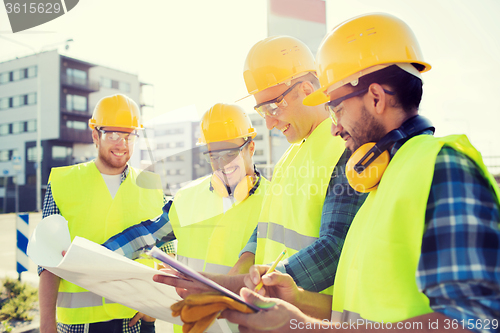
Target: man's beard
(366,129)
(106,159)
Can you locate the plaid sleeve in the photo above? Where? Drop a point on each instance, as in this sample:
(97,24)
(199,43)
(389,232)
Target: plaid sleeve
(314,267)
(146,234)
(251,244)
(459,268)
(49,208)
(49,205)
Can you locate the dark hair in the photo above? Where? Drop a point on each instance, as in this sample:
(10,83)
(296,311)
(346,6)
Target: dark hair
(407,87)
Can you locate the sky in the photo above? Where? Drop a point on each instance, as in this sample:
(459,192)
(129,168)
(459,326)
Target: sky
(193,51)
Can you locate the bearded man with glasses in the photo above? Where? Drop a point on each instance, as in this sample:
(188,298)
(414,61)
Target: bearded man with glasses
(99,199)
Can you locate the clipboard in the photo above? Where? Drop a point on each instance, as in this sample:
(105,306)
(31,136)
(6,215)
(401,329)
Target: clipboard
(163,257)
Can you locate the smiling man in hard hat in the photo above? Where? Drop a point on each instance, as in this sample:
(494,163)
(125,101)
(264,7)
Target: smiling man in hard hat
(423,252)
(213,217)
(98,199)
(310,206)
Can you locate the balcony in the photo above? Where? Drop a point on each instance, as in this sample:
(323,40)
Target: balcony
(76,135)
(79,83)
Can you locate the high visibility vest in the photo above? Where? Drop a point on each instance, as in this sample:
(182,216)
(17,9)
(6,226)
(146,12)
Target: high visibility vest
(376,274)
(84,200)
(292,208)
(210,240)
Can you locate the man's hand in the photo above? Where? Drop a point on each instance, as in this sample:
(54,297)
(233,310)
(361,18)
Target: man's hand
(185,285)
(276,284)
(140,315)
(276,315)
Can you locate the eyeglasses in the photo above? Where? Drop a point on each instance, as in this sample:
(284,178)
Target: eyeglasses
(116,136)
(273,107)
(335,107)
(224,155)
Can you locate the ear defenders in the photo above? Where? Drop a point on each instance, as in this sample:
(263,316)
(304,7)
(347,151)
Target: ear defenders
(245,188)
(368,163)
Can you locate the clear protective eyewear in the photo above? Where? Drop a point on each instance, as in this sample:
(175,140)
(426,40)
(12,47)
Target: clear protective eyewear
(117,136)
(274,106)
(225,156)
(336,107)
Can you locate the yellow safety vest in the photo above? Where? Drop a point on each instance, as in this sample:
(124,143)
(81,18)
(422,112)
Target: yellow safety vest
(210,240)
(84,200)
(376,274)
(291,211)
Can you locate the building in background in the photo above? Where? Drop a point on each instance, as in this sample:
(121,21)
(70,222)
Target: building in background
(69,90)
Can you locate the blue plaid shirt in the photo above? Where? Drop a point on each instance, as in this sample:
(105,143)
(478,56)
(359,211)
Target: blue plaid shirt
(459,268)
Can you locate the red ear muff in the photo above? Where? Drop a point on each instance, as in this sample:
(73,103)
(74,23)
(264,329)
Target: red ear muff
(366,179)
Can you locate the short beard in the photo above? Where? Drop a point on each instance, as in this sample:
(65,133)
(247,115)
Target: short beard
(368,130)
(108,162)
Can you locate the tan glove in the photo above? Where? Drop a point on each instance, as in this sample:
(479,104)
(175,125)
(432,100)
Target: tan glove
(198,311)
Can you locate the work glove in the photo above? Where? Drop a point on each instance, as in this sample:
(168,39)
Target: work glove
(198,311)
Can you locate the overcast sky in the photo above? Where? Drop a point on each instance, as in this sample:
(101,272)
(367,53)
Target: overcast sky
(193,51)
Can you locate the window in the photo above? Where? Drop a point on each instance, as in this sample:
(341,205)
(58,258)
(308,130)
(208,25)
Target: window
(31,126)
(4,103)
(258,122)
(124,86)
(76,103)
(114,84)
(259,152)
(4,129)
(179,144)
(4,78)
(16,75)
(32,71)
(76,76)
(17,100)
(105,82)
(31,98)
(79,125)
(18,127)
(258,137)
(4,155)
(32,154)
(61,153)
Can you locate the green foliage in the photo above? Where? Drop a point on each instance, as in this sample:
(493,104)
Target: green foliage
(16,300)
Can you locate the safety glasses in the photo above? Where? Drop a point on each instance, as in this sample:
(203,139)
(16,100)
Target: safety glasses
(336,107)
(116,136)
(223,156)
(274,106)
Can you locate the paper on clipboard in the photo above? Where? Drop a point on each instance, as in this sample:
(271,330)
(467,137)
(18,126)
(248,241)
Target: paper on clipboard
(160,255)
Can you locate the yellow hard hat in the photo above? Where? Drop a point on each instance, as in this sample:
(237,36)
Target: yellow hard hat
(357,46)
(276,60)
(225,122)
(116,111)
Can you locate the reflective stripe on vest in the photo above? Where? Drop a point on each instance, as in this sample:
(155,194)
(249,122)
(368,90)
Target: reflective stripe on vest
(278,233)
(294,202)
(93,214)
(376,276)
(80,300)
(209,239)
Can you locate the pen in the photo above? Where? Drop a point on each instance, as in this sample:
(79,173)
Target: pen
(271,269)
